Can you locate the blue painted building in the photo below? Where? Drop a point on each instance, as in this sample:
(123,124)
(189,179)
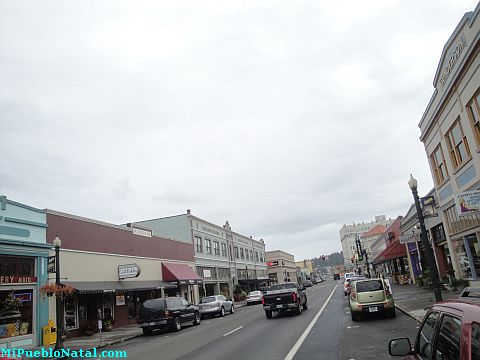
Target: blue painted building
(23,270)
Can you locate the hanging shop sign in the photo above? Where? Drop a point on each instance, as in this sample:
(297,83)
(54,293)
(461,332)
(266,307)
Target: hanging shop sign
(128,271)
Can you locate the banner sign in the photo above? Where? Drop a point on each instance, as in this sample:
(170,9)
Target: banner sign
(467,202)
(410,238)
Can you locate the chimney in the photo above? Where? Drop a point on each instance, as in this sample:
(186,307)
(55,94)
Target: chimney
(188,211)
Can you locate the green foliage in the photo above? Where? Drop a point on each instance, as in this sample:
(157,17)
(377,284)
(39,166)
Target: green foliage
(333,259)
(238,289)
(10,304)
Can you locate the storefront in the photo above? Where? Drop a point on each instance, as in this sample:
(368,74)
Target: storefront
(393,262)
(23,270)
(184,281)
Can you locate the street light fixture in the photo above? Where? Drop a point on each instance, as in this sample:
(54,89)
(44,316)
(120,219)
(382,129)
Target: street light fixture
(58,298)
(413,184)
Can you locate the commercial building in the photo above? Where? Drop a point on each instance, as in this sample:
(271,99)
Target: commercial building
(223,258)
(115,268)
(450,132)
(23,271)
(281,266)
(349,232)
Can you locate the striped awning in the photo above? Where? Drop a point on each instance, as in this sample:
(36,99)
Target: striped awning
(98,287)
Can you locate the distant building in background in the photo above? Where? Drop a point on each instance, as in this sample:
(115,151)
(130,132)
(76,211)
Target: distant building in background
(348,232)
(281,266)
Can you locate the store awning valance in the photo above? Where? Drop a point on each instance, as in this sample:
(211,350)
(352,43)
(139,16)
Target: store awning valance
(181,274)
(97,287)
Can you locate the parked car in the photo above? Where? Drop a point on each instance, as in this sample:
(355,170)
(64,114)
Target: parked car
(164,313)
(215,305)
(450,330)
(371,296)
(284,297)
(347,285)
(307,283)
(254,297)
(348,275)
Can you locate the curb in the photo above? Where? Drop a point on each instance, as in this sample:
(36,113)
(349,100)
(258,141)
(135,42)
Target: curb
(403,310)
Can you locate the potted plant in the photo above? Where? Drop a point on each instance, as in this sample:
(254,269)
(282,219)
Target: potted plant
(107,325)
(10,308)
(56,289)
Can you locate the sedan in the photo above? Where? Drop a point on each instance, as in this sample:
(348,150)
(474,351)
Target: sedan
(254,297)
(215,305)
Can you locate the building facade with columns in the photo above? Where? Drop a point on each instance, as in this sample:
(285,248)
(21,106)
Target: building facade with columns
(450,132)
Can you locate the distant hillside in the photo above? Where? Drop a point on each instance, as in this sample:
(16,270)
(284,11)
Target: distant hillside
(330,260)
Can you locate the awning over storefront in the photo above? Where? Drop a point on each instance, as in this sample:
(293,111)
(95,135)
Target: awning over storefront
(394,251)
(180,274)
(97,287)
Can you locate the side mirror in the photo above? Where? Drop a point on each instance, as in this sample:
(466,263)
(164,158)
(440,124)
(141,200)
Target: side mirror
(400,347)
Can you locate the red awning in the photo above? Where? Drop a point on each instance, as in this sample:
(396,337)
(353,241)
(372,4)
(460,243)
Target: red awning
(181,273)
(394,251)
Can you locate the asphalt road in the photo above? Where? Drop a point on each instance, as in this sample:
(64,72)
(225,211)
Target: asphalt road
(324,331)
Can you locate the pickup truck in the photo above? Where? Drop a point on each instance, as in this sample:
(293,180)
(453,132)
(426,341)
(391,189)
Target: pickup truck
(284,297)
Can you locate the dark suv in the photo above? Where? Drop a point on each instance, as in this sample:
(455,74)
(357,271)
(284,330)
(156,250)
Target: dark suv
(167,313)
(450,331)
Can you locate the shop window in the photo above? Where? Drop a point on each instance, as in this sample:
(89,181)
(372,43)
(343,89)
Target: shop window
(457,144)
(16,313)
(473,110)
(439,167)
(71,313)
(132,309)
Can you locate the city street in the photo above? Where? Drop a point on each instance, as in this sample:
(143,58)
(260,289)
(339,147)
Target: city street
(248,334)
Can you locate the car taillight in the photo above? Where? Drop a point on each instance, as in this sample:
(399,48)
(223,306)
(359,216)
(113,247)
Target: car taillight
(294,297)
(353,295)
(167,314)
(263,300)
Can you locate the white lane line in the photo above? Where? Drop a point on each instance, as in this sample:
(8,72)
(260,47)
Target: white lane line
(230,332)
(302,338)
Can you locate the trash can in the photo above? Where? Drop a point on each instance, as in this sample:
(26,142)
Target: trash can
(49,333)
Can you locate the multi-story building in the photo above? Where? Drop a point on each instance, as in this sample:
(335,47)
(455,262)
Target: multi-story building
(349,232)
(281,266)
(223,257)
(450,132)
(23,272)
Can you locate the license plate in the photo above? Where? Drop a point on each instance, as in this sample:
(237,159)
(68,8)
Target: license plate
(279,306)
(372,309)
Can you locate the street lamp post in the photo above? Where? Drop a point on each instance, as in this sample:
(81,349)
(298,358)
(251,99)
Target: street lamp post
(58,296)
(413,184)
(362,252)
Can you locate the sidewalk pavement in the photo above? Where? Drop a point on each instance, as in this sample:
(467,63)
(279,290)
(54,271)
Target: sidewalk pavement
(100,340)
(412,300)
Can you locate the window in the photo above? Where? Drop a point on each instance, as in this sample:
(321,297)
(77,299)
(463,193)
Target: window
(246,255)
(71,319)
(473,110)
(256,256)
(425,336)
(208,246)
(242,256)
(16,315)
(448,340)
(475,341)
(131,305)
(439,167)
(251,255)
(261,257)
(198,242)
(457,144)
(216,248)
(17,266)
(235,250)
(224,250)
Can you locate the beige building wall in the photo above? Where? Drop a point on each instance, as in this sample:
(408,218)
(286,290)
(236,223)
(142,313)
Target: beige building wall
(286,268)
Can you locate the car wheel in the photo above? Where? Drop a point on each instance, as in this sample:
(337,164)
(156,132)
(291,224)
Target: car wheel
(305,307)
(355,317)
(222,312)
(392,313)
(232,309)
(196,318)
(299,309)
(147,331)
(177,325)
(268,314)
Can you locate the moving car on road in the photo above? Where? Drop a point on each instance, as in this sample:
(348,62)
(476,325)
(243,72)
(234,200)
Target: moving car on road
(254,297)
(164,313)
(371,296)
(450,330)
(215,305)
(284,297)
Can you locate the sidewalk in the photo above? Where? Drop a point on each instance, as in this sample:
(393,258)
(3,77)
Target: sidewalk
(99,340)
(412,300)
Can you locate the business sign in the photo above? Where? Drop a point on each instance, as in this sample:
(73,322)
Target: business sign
(207,273)
(142,232)
(23,297)
(128,271)
(120,300)
(17,280)
(468,202)
(409,238)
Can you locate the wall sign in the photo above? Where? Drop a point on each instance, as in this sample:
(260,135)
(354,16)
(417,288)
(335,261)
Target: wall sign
(17,280)
(120,300)
(128,271)
(468,202)
(142,232)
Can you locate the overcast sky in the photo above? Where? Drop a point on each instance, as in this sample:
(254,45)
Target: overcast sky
(286,118)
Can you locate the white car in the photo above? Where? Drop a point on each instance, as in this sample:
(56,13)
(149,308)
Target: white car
(254,297)
(348,275)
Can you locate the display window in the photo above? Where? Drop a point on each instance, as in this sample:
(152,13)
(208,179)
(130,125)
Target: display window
(16,312)
(71,313)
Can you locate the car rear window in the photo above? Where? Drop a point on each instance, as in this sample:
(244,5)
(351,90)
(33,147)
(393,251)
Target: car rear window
(154,304)
(208,299)
(365,286)
(283,286)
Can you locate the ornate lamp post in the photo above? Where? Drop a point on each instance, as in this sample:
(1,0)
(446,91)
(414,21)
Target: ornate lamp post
(58,298)
(413,184)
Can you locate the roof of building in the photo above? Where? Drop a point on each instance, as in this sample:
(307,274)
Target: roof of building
(376,230)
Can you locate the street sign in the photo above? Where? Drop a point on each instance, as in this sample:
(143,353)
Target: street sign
(51,265)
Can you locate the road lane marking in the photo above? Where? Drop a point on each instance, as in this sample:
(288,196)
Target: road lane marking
(302,338)
(230,332)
